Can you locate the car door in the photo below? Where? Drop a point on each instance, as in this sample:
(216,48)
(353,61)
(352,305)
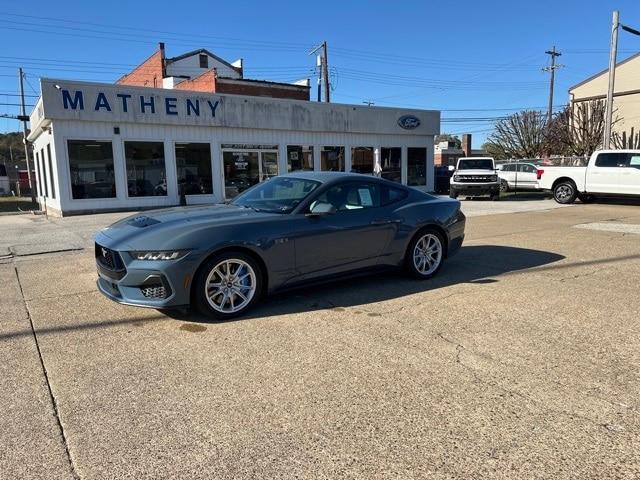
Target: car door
(606,174)
(527,175)
(630,176)
(351,238)
(508,173)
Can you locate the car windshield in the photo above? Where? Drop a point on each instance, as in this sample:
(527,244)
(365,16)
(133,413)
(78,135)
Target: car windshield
(476,164)
(276,195)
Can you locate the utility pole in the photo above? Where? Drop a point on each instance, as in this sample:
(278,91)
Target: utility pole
(613,50)
(24,117)
(324,70)
(552,68)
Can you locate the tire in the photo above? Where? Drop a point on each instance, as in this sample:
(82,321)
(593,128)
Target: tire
(495,197)
(453,194)
(245,279)
(504,186)
(417,264)
(565,192)
(586,198)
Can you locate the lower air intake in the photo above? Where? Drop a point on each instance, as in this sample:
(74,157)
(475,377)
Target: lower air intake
(154,291)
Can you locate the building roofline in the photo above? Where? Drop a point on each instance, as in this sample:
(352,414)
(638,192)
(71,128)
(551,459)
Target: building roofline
(203,50)
(592,77)
(269,82)
(138,66)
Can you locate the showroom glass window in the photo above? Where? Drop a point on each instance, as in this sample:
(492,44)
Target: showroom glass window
(332,159)
(416,166)
(43,169)
(193,164)
(246,165)
(362,160)
(390,159)
(38,174)
(299,158)
(52,183)
(91,169)
(146,174)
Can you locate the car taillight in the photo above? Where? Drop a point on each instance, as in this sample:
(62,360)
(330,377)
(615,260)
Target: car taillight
(540,172)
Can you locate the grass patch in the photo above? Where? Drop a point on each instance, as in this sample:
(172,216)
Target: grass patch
(17,204)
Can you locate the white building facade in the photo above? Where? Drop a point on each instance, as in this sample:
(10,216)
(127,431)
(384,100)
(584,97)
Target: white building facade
(105,147)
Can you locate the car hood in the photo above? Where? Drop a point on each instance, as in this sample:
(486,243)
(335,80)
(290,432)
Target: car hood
(164,228)
(474,172)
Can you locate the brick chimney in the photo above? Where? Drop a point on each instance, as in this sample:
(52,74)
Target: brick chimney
(466,144)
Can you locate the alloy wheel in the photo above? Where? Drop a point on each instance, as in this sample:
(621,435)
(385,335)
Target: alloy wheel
(563,192)
(427,254)
(230,285)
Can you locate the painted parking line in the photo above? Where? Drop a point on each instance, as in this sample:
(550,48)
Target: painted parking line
(611,227)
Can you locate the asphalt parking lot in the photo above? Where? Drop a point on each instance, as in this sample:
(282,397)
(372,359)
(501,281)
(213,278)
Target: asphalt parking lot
(520,360)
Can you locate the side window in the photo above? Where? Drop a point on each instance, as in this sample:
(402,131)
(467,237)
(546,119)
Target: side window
(389,195)
(612,159)
(351,196)
(634,160)
(527,168)
(508,168)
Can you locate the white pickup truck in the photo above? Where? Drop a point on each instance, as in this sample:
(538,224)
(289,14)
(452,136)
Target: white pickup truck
(609,173)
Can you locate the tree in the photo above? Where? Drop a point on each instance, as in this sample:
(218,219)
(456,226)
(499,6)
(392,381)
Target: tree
(578,129)
(447,137)
(521,135)
(11,146)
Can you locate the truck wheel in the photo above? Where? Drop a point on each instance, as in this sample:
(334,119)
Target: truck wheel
(495,197)
(565,192)
(453,194)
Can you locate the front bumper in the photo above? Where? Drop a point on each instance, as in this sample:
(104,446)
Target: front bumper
(472,189)
(153,284)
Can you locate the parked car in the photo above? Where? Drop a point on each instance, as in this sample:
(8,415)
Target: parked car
(442,175)
(288,231)
(475,176)
(609,173)
(519,175)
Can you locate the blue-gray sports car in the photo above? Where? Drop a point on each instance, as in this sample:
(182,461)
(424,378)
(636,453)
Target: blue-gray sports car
(285,232)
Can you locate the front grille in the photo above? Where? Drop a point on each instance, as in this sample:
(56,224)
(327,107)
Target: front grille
(474,178)
(108,258)
(154,291)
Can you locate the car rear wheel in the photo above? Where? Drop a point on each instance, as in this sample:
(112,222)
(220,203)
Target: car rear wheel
(504,186)
(425,254)
(228,285)
(565,192)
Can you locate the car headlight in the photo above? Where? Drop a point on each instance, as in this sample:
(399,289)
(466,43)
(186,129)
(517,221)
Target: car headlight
(158,254)
(494,178)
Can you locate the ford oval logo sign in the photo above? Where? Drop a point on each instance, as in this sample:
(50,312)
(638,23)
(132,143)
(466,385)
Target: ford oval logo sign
(409,122)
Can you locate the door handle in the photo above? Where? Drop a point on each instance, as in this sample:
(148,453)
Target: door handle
(383,221)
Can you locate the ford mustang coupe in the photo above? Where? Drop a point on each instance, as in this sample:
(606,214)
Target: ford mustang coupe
(286,232)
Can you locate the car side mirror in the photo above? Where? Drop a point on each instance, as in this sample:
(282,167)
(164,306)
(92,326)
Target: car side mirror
(321,209)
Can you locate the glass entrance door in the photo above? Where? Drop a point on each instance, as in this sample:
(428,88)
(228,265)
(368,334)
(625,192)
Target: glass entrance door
(243,168)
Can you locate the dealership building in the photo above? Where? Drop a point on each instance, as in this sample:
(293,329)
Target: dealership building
(108,147)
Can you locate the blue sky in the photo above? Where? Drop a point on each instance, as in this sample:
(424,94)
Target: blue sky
(473,60)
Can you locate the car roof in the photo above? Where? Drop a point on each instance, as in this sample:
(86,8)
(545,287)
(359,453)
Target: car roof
(327,177)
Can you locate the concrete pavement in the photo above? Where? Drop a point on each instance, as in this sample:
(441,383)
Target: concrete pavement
(518,361)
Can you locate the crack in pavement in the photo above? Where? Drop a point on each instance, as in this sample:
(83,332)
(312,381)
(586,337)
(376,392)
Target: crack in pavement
(52,398)
(512,392)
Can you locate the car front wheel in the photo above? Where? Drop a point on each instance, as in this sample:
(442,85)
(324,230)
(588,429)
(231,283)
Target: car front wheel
(228,285)
(425,254)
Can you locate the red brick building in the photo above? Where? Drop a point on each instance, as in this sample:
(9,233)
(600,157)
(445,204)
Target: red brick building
(447,153)
(202,71)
